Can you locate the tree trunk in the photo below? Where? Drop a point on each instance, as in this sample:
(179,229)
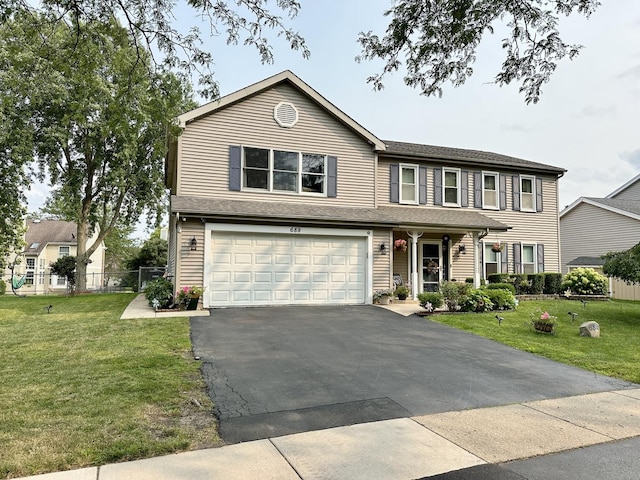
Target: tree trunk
(82,259)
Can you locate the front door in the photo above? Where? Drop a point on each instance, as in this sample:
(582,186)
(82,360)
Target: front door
(430,262)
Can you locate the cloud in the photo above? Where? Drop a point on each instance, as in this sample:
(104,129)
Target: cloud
(597,111)
(515,127)
(632,157)
(633,73)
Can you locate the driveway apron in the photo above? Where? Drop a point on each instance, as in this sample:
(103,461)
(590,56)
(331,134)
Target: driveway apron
(279,370)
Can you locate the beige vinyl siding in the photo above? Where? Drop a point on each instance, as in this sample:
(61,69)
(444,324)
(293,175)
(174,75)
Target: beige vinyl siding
(591,231)
(381,274)
(531,227)
(461,262)
(401,259)
(190,264)
(204,149)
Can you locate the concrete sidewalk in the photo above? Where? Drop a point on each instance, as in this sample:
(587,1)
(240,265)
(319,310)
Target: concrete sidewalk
(405,448)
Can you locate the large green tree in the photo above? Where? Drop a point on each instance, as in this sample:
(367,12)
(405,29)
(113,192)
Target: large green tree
(623,265)
(437,41)
(94,113)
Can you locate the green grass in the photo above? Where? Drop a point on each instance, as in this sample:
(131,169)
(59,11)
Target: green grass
(615,353)
(81,387)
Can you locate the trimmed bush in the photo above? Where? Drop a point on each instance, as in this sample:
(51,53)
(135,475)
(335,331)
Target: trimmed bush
(436,299)
(536,281)
(3,287)
(552,283)
(160,290)
(498,278)
(502,298)
(585,281)
(476,301)
(521,283)
(502,286)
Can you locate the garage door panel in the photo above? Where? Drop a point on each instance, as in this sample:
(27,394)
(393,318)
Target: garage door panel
(263,269)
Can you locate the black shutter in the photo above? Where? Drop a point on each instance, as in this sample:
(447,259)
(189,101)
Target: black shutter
(235,167)
(477,189)
(464,188)
(516,193)
(422,176)
(517,255)
(332,176)
(394,188)
(538,194)
(437,186)
(503,192)
(540,258)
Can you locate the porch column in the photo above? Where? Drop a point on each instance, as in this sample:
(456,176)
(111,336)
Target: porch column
(414,262)
(476,259)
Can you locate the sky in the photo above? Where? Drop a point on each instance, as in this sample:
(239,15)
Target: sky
(587,121)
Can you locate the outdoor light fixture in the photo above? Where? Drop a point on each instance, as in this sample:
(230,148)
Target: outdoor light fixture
(194,244)
(383,249)
(462,248)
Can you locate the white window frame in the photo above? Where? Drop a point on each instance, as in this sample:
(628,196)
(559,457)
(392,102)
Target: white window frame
(498,261)
(416,184)
(299,173)
(61,254)
(533,193)
(458,173)
(534,247)
(496,176)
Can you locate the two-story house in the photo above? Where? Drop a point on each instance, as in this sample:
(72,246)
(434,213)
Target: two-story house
(591,227)
(46,241)
(279,197)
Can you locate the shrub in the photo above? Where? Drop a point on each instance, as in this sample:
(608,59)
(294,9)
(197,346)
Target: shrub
(402,291)
(552,283)
(436,299)
(159,293)
(502,286)
(468,280)
(498,278)
(476,301)
(585,281)
(521,283)
(502,298)
(454,293)
(3,287)
(536,280)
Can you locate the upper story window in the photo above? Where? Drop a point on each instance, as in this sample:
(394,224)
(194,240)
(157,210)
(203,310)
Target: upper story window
(527,193)
(451,187)
(31,263)
(284,171)
(490,192)
(409,184)
(63,251)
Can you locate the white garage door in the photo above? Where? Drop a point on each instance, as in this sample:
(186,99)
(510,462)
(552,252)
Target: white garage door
(284,269)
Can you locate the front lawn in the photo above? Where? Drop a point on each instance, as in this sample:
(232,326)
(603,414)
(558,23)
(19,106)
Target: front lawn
(81,387)
(615,353)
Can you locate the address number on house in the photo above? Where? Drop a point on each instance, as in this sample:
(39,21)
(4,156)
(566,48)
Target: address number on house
(295,229)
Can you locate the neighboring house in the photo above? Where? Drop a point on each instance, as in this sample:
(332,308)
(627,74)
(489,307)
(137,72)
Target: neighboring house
(278,197)
(591,227)
(45,242)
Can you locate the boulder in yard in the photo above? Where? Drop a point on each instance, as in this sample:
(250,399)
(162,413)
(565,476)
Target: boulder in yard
(590,329)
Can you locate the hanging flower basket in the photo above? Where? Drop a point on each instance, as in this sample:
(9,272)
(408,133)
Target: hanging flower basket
(400,245)
(496,247)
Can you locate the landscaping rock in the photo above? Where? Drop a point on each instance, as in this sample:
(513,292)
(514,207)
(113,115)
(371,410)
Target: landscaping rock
(590,329)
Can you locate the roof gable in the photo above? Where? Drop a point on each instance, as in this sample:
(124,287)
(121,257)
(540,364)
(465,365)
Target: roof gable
(40,233)
(284,77)
(624,187)
(628,208)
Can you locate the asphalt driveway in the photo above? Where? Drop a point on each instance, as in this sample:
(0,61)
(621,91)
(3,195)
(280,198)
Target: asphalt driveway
(279,370)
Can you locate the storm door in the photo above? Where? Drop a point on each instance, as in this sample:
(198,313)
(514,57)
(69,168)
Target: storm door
(430,261)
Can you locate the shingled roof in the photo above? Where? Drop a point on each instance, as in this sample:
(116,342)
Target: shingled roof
(464,156)
(381,216)
(42,232)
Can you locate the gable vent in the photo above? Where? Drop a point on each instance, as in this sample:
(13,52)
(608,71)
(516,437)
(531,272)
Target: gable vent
(285,114)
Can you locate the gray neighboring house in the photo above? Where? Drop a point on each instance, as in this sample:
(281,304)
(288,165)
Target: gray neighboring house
(591,227)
